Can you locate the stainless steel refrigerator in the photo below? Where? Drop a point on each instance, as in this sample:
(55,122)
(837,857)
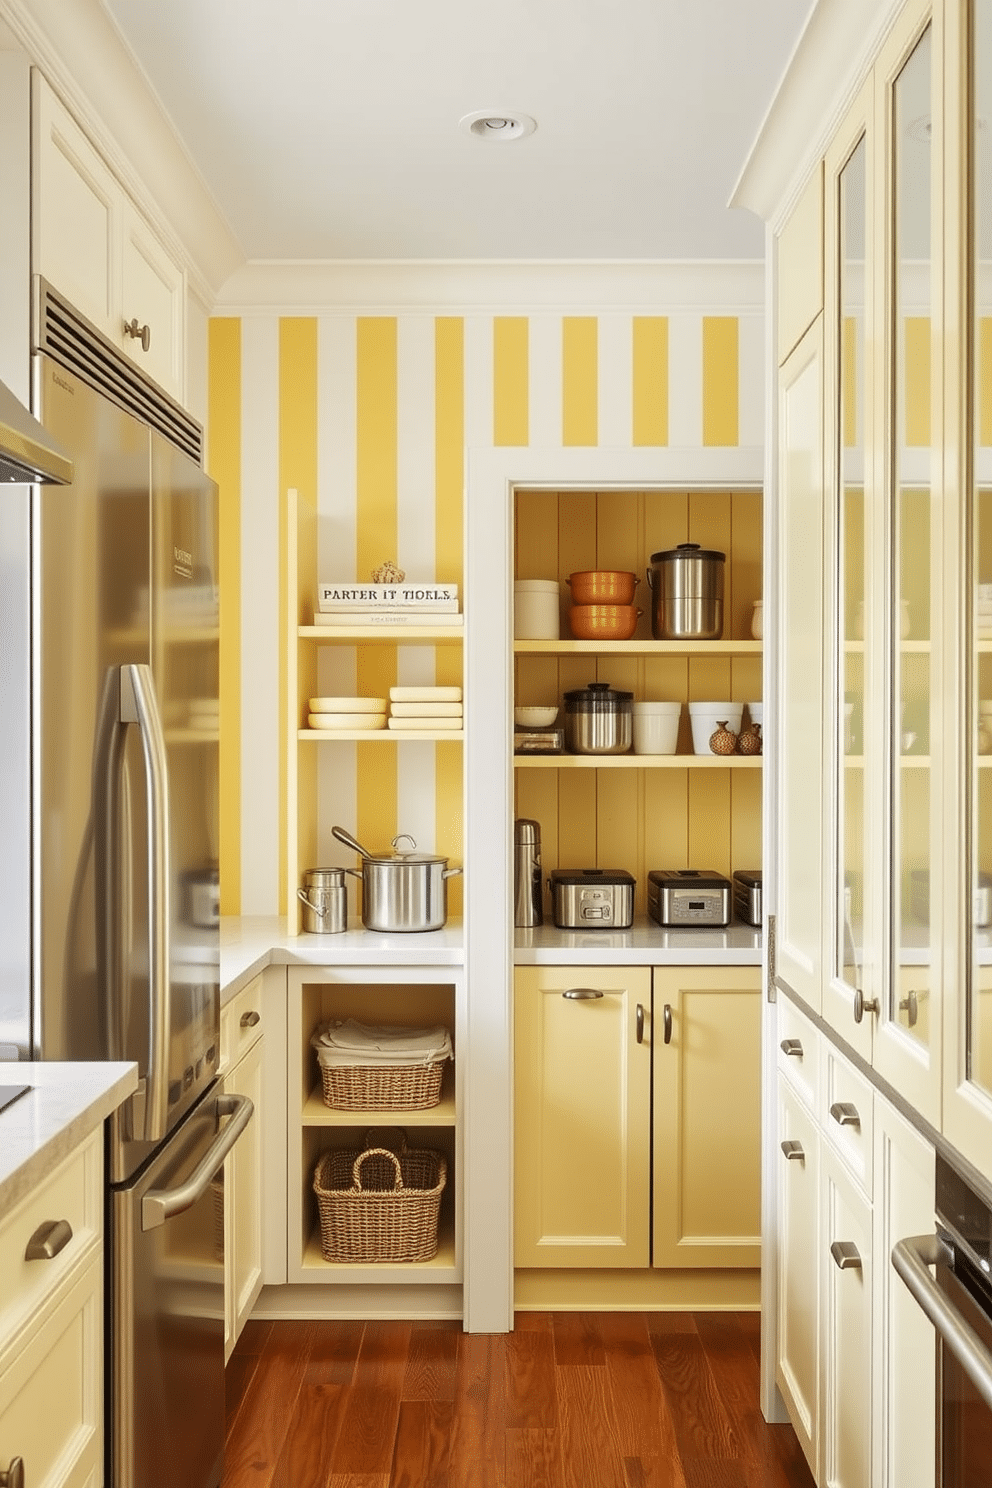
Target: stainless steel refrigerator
(125,906)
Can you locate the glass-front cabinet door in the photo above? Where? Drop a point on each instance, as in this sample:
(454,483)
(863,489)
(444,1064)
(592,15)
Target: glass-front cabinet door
(854,962)
(907,701)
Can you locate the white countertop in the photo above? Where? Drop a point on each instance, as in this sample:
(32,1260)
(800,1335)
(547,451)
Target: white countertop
(646,943)
(66,1102)
(250,943)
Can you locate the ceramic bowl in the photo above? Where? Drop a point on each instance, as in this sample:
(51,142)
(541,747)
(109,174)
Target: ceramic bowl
(534,718)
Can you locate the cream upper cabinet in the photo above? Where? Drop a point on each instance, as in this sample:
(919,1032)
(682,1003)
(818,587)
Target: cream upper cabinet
(92,244)
(707,1116)
(800,267)
(799,668)
(582,1053)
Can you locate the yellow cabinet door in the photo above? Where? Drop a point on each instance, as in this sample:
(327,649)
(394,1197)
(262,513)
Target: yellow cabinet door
(582,1116)
(707,1116)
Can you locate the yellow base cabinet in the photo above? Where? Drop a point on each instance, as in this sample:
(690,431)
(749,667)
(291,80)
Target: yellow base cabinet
(707,1116)
(586,1194)
(582,1117)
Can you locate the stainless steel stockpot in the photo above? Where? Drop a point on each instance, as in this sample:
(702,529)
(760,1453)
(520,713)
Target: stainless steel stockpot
(687,593)
(401,891)
(598,720)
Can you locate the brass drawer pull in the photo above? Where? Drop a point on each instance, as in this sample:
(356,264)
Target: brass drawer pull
(846,1255)
(640,1023)
(792,1047)
(137,333)
(845,1113)
(667,1022)
(793,1151)
(49,1238)
(582,994)
(248,1020)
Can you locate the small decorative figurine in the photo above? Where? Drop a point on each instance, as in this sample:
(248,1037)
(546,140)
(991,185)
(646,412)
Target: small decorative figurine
(723,740)
(388,573)
(750,740)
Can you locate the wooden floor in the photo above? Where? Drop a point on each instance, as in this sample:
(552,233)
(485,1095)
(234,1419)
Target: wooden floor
(568,1400)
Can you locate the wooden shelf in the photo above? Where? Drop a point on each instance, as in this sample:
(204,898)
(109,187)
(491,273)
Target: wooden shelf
(637,761)
(637,648)
(340,635)
(380,736)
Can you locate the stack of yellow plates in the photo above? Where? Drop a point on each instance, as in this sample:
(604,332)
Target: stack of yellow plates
(347,713)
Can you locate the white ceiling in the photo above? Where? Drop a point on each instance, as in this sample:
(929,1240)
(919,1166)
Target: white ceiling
(329,128)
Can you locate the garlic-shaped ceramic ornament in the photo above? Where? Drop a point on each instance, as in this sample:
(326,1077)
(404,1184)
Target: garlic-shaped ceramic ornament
(723,740)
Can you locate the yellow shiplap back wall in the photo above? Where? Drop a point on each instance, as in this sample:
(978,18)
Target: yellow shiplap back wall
(374,408)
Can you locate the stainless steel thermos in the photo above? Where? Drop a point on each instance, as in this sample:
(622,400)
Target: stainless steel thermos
(527,903)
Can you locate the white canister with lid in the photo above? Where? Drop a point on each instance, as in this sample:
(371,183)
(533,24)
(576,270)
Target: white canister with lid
(535,610)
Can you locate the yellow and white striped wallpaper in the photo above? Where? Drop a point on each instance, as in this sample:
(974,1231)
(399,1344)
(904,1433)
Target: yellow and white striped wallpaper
(371,416)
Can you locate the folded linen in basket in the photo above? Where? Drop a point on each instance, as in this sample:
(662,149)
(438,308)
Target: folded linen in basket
(348,1043)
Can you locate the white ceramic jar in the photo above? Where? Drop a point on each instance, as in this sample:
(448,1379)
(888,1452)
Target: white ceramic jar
(706,718)
(535,610)
(656,727)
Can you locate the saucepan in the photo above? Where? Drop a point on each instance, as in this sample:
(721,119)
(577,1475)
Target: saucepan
(401,891)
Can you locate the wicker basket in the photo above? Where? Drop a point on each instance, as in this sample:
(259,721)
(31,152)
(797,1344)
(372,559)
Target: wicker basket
(378,1205)
(413,1087)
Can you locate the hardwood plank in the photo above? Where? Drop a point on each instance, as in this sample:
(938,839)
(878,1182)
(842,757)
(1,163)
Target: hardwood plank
(590,1450)
(478,1427)
(644,1421)
(253,1337)
(305,1459)
(532,1322)
(577,1338)
(710,1472)
(420,1455)
(262,1423)
(532,1459)
(334,1353)
(732,1363)
(653,1472)
(365,1441)
(702,1426)
(358,1480)
(661,1324)
(531,1400)
(432,1363)
(237,1377)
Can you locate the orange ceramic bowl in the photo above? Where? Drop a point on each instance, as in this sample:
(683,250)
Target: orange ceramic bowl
(603,622)
(602,586)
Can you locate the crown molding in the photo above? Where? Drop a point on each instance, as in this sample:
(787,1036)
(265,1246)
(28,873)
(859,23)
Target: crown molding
(830,62)
(81,53)
(505,287)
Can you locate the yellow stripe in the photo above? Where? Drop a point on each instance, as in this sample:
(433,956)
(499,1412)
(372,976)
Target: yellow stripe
(917,381)
(297,467)
(720,380)
(376,443)
(449,461)
(650,417)
(985,381)
(224,464)
(376,528)
(449,447)
(511,385)
(580,380)
(849,373)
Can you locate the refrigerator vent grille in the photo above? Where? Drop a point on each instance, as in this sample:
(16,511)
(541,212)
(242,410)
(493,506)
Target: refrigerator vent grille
(70,339)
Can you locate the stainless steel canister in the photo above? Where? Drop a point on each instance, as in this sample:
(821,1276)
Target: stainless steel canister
(528,908)
(401,891)
(687,593)
(324,896)
(599,720)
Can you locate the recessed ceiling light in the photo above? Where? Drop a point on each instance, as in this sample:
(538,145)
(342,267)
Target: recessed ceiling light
(497,124)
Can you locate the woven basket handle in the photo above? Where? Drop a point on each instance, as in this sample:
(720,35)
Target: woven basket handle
(356,1172)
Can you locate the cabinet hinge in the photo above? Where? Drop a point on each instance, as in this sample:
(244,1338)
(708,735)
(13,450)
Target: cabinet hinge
(770,932)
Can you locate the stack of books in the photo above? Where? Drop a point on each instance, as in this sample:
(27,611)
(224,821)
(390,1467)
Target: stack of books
(354,605)
(425,708)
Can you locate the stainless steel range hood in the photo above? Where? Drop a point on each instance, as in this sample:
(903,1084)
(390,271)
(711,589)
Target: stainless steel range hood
(28,454)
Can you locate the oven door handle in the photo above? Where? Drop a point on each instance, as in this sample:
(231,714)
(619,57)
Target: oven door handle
(163,1203)
(912,1258)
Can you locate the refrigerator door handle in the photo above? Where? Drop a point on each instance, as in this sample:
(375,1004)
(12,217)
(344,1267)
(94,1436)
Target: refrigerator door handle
(138,705)
(163,1203)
